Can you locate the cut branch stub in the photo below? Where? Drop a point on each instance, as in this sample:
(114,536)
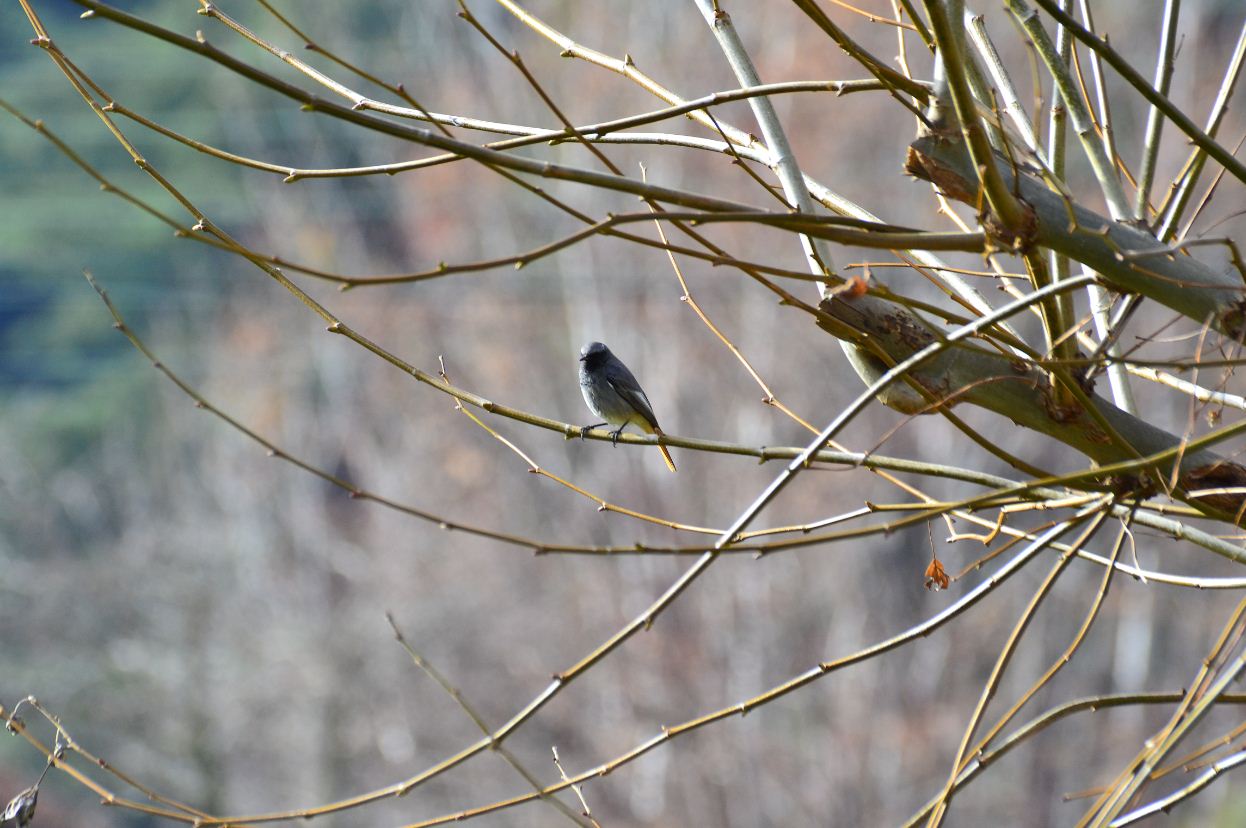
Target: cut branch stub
(951,183)
(1128,259)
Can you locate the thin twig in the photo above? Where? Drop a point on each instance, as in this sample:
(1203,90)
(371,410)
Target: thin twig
(459,699)
(1164,65)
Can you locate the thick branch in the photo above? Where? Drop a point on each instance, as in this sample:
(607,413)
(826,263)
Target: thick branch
(1023,394)
(1129,259)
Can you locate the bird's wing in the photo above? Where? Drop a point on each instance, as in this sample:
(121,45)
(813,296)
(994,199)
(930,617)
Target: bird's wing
(625,385)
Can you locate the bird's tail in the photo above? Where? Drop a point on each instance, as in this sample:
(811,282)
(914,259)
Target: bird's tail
(666,455)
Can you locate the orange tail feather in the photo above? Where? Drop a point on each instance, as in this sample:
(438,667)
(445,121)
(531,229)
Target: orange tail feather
(666,455)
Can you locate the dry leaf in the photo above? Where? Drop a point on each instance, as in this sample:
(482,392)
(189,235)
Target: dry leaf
(936,578)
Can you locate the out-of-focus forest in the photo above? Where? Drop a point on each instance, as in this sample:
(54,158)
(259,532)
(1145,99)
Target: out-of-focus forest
(212,620)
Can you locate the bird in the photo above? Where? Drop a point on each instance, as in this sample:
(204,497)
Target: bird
(613,394)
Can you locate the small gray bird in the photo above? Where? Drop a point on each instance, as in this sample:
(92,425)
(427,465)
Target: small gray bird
(613,394)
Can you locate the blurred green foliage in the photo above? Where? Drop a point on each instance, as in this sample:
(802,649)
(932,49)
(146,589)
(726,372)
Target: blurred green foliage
(64,374)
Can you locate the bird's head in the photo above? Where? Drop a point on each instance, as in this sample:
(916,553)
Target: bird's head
(594,353)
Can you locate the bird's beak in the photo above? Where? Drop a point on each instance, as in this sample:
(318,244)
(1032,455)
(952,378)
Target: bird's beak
(582,358)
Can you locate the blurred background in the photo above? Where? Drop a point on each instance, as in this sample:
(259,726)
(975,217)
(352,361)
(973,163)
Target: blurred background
(212,620)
